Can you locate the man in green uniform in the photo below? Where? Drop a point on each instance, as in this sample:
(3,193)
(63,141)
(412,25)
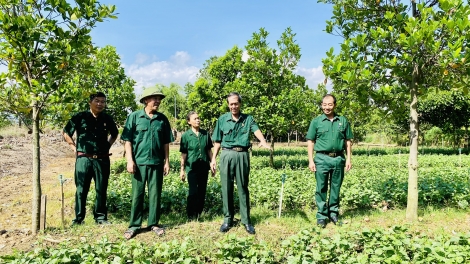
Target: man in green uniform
(92,150)
(196,153)
(329,135)
(147,135)
(232,134)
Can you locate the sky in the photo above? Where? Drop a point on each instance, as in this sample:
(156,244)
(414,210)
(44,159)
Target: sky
(167,41)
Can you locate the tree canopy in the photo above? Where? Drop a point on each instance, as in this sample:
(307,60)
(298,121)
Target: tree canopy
(44,43)
(394,53)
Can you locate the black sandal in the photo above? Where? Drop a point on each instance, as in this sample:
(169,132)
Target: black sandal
(129,234)
(158,230)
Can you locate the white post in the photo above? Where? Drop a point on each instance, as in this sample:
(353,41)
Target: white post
(283,179)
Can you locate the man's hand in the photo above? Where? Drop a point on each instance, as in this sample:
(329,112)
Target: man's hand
(265,145)
(348,164)
(213,166)
(166,168)
(131,168)
(311,166)
(182,176)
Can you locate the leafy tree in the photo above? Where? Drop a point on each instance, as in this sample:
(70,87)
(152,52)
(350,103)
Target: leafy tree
(274,93)
(393,53)
(448,110)
(44,43)
(215,81)
(105,74)
(266,81)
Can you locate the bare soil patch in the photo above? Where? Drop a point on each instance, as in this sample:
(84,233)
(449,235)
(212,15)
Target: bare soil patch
(16,188)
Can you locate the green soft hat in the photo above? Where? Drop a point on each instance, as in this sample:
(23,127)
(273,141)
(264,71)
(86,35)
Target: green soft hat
(151,92)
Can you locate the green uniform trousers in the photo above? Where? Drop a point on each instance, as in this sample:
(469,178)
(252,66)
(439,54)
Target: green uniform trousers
(235,166)
(153,176)
(87,169)
(329,170)
(197,181)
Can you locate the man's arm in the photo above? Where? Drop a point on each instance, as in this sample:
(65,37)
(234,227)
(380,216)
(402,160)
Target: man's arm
(131,167)
(311,163)
(111,140)
(262,141)
(166,167)
(209,154)
(214,157)
(70,141)
(348,153)
(184,156)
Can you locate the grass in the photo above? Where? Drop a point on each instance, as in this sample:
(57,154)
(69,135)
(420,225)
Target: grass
(13,131)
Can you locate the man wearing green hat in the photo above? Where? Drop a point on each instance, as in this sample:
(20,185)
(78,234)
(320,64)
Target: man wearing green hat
(147,135)
(96,132)
(329,135)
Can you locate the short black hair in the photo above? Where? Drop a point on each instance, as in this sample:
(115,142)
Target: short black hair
(235,94)
(190,114)
(97,94)
(329,95)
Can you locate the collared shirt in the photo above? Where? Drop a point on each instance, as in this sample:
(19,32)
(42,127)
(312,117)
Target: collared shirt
(92,133)
(329,135)
(231,133)
(196,146)
(148,136)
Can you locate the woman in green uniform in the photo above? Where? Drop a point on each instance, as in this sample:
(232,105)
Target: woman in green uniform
(196,151)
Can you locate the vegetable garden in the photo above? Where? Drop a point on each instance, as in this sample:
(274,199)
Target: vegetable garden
(378,181)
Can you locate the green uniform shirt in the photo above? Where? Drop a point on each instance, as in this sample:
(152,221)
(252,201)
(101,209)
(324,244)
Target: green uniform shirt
(92,133)
(148,137)
(231,133)
(329,136)
(196,146)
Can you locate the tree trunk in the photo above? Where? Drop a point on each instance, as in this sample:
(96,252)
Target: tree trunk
(36,172)
(412,203)
(288,139)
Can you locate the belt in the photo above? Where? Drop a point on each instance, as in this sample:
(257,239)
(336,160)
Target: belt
(94,156)
(331,154)
(237,149)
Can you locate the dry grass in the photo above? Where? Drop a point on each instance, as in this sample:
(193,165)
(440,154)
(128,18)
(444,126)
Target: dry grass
(13,131)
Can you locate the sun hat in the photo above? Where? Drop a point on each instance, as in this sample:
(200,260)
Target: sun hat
(151,92)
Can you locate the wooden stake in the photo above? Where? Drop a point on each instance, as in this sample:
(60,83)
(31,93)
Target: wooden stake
(42,218)
(61,178)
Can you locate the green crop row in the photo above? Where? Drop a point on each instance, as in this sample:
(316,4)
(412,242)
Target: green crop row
(394,245)
(366,151)
(373,182)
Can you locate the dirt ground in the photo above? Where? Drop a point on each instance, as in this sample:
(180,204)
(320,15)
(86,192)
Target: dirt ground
(16,188)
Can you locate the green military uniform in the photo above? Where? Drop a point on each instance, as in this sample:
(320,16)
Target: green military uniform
(92,160)
(197,167)
(235,165)
(148,137)
(330,142)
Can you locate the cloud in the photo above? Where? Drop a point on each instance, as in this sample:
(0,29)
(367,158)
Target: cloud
(141,58)
(148,73)
(313,76)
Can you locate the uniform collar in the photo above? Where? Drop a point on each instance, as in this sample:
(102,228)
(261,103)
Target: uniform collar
(191,132)
(240,118)
(90,114)
(323,117)
(143,114)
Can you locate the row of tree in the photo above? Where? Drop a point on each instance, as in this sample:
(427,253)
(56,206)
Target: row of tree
(392,55)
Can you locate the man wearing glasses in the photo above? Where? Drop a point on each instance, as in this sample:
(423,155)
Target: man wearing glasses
(96,131)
